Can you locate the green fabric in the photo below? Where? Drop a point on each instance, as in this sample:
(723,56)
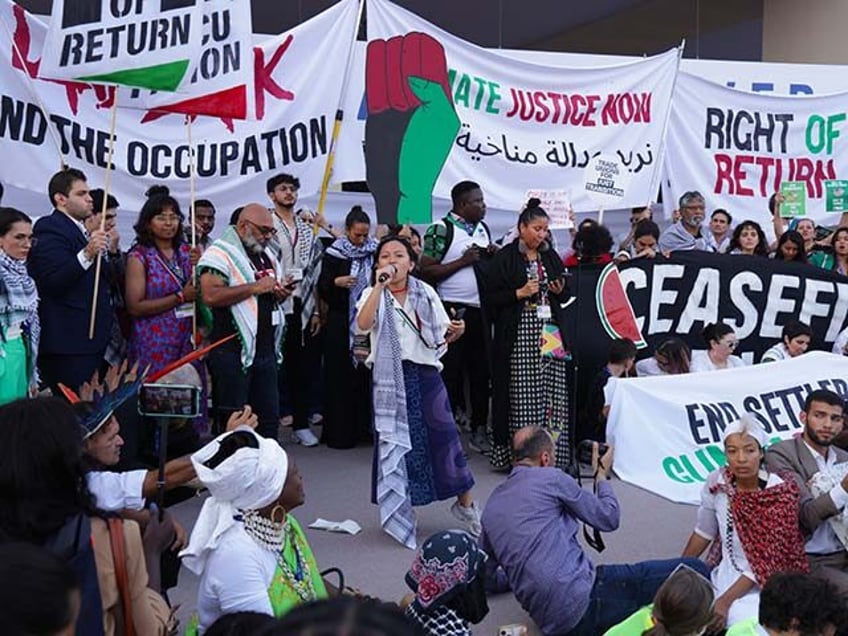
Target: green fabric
(14,370)
(436,241)
(425,148)
(821,259)
(284,597)
(744,628)
(634,625)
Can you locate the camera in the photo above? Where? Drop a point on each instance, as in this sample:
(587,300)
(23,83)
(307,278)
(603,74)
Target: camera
(584,451)
(169,400)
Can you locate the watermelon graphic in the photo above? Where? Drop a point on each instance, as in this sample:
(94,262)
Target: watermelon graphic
(614,308)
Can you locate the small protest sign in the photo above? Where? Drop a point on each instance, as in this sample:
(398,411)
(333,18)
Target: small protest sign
(836,193)
(794,199)
(557,204)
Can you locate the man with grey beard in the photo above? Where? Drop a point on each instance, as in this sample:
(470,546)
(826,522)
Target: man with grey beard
(242,284)
(689,232)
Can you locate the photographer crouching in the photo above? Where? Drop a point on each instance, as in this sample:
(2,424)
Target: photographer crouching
(530,526)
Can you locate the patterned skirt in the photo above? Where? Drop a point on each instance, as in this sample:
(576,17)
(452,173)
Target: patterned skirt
(538,390)
(436,466)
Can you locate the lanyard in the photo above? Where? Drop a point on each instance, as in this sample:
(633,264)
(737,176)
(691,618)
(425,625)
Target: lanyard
(415,327)
(173,269)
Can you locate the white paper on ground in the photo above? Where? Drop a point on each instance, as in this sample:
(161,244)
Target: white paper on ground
(348,525)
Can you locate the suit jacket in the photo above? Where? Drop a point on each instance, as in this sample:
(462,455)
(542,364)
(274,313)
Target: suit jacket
(66,289)
(792,455)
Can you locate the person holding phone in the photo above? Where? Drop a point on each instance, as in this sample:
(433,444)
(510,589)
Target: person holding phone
(419,457)
(524,295)
(242,283)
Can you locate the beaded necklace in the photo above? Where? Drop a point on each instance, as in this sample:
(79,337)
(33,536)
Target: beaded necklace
(273,537)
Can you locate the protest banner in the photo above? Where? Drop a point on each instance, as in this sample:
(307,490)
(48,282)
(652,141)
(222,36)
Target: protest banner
(220,77)
(667,429)
(679,296)
(144,43)
(508,124)
(293,71)
(737,148)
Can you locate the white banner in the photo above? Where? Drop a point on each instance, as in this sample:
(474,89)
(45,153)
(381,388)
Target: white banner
(667,429)
(298,80)
(755,77)
(736,147)
(220,78)
(146,43)
(526,126)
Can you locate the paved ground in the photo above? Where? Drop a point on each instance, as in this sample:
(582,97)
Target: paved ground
(338,486)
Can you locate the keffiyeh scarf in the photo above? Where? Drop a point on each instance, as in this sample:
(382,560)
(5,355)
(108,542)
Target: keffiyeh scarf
(19,302)
(390,416)
(361,259)
(304,253)
(767,524)
(228,257)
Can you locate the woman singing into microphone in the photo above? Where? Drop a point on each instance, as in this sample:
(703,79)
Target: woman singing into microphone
(418,455)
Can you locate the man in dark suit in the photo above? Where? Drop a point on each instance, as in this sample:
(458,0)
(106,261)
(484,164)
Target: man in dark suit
(62,263)
(823,418)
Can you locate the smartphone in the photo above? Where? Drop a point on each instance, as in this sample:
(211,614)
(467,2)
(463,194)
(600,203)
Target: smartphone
(169,400)
(458,313)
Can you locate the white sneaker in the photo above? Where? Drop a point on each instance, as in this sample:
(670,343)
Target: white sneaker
(316,418)
(469,517)
(305,437)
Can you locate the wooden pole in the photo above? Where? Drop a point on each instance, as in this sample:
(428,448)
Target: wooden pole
(191,206)
(107,182)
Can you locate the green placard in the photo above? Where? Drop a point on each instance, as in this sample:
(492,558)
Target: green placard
(836,196)
(794,199)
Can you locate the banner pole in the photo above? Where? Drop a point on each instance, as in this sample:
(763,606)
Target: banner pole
(661,154)
(191,210)
(25,68)
(337,124)
(107,182)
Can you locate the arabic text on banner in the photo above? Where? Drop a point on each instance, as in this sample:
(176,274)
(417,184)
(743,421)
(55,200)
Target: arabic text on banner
(527,126)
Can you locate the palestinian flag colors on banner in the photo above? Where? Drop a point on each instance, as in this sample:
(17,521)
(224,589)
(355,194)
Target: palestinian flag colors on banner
(221,80)
(141,43)
(614,308)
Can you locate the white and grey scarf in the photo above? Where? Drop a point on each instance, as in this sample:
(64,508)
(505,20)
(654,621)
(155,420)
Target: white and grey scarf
(19,301)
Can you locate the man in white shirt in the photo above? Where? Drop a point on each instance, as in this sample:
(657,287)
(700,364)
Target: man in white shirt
(456,251)
(823,418)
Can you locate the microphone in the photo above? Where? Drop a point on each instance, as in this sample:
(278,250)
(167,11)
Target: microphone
(384,277)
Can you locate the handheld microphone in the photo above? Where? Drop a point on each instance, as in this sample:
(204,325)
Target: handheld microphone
(384,277)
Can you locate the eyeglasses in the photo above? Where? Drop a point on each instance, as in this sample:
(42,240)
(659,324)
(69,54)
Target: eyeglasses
(264,229)
(25,238)
(287,187)
(166,218)
(731,345)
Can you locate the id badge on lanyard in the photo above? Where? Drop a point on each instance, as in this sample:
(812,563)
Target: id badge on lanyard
(543,312)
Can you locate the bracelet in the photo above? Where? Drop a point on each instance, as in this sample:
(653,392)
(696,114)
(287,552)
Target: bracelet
(180,297)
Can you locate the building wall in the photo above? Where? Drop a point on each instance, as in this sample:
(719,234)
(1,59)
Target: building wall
(812,31)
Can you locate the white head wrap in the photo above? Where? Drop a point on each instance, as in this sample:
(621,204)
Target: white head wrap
(747,425)
(250,479)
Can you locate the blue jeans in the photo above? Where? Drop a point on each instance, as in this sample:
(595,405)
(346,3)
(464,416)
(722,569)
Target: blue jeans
(621,590)
(232,388)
